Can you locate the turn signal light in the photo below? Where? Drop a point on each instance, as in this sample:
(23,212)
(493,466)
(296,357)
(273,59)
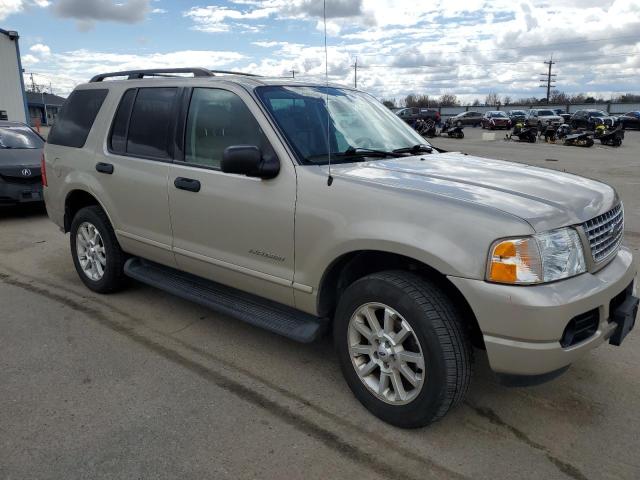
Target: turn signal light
(515,261)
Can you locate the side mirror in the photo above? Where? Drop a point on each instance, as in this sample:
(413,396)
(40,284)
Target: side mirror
(248,160)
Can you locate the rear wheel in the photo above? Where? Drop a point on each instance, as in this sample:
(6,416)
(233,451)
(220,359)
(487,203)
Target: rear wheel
(97,256)
(402,348)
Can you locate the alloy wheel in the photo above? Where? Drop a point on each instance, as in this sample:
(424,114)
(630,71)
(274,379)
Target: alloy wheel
(91,252)
(386,354)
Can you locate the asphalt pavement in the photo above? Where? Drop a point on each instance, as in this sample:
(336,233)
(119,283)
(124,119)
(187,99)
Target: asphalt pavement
(140,384)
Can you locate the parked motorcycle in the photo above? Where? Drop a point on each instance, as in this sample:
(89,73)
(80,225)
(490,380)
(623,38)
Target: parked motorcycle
(426,128)
(524,133)
(549,132)
(453,132)
(580,139)
(612,138)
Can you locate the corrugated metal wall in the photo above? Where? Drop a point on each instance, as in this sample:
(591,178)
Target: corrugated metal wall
(11,98)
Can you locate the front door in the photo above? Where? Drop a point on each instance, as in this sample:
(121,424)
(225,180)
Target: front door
(235,230)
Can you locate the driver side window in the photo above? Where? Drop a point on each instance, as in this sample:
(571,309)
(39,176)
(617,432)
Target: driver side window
(218,119)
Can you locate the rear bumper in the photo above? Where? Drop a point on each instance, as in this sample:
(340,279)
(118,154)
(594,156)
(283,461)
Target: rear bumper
(56,215)
(522,326)
(15,193)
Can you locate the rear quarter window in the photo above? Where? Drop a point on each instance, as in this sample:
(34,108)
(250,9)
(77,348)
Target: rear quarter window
(76,118)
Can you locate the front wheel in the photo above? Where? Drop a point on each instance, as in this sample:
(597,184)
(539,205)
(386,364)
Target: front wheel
(402,348)
(97,256)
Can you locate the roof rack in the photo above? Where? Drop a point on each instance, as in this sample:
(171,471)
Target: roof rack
(165,72)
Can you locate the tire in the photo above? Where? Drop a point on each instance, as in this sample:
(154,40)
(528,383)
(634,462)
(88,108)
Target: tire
(437,333)
(110,262)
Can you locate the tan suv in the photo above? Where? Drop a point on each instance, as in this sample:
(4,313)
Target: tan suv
(300,207)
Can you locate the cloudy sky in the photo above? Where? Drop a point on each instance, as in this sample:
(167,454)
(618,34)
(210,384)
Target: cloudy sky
(468,48)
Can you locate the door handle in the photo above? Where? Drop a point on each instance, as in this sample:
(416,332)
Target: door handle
(187,184)
(104,168)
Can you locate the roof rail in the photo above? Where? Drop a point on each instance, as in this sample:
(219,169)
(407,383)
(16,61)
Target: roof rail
(164,72)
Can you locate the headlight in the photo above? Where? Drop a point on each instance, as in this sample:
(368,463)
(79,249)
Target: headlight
(540,258)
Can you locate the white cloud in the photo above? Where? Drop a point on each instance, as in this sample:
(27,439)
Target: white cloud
(29,59)
(65,70)
(215,19)
(403,46)
(10,7)
(40,49)
(159,10)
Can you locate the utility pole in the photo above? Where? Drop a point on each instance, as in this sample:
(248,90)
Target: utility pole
(293,73)
(548,75)
(355,73)
(33,84)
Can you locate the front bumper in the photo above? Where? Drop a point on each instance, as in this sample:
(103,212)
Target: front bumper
(15,193)
(522,325)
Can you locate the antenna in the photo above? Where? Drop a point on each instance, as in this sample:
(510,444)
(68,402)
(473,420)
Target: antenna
(326,78)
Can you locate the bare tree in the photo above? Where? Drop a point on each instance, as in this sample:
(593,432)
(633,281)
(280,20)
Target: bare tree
(628,98)
(448,100)
(413,100)
(507,100)
(476,103)
(559,97)
(578,98)
(492,99)
(389,103)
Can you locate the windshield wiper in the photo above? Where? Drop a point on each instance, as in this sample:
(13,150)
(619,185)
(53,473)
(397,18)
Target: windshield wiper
(357,152)
(414,149)
(369,152)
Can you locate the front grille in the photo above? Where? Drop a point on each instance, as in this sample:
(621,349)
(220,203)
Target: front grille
(580,328)
(605,233)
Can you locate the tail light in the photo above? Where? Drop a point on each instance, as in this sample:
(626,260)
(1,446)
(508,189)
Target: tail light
(43,171)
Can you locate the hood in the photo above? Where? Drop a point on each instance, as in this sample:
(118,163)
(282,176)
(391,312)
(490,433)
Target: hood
(20,157)
(551,117)
(545,198)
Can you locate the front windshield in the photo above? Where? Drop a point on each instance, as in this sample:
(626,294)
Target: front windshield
(19,138)
(597,113)
(518,112)
(546,113)
(356,121)
(497,114)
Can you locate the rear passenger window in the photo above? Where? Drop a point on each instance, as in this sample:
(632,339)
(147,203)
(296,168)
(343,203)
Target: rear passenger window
(118,140)
(76,118)
(150,122)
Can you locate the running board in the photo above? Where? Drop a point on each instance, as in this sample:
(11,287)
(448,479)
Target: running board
(272,316)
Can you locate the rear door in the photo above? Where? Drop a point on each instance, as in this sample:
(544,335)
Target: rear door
(132,171)
(233,229)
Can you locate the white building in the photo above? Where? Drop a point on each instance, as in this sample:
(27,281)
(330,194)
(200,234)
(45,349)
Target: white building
(13,105)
